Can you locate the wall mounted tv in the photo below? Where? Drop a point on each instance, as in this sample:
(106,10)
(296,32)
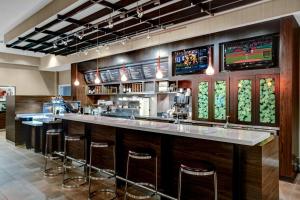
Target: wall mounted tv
(190,61)
(254,53)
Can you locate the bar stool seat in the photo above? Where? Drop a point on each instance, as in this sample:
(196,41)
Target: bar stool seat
(53,171)
(74,181)
(201,168)
(102,174)
(141,154)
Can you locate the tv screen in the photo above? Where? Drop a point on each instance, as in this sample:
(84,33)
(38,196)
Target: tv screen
(253,53)
(190,61)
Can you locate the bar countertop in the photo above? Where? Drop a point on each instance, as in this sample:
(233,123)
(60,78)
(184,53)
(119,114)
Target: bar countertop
(234,136)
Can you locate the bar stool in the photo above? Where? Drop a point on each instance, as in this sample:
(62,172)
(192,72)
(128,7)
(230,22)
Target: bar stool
(203,168)
(73,181)
(102,174)
(51,133)
(141,155)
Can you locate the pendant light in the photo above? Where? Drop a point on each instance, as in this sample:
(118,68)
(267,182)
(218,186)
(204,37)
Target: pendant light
(97,79)
(210,70)
(159,74)
(123,74)
(76,82)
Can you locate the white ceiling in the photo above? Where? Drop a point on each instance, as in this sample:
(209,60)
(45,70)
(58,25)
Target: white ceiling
(12,13)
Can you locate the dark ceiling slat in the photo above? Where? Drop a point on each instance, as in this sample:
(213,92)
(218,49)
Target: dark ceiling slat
(136,22)
(53,22)
(173,14)
(88,19)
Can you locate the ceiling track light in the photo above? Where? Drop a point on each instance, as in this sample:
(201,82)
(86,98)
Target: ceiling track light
(54,45)
(110,24)
(156,2)
(122,15)
(139,12)
(86,52)
(148,35)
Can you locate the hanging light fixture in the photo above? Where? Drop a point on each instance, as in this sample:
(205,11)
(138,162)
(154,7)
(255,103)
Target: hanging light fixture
(148,35)
(123,74)
(159,74)
(210,70)
(76,82)
(97,79)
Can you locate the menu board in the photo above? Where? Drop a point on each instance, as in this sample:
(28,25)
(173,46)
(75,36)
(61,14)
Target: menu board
(114,75)
(136,72)
(149,71)
(105,76)
(164,69)
(126,71)
(89,77)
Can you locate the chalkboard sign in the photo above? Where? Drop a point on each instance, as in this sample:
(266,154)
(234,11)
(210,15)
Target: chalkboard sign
(126,71)
(105,76)
(149,71)
(114,75)
(89,77)
(136,72)
(164,69)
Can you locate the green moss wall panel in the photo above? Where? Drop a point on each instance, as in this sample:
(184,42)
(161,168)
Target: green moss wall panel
(203,100)
(245,100)
(220,100)
(267,101)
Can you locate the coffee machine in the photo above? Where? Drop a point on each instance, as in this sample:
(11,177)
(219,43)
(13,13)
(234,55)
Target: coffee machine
(182,103)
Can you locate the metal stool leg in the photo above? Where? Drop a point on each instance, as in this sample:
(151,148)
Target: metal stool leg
(46,154)
(64,161)
(179,185)
(90,171)
(216,185)
(126,184)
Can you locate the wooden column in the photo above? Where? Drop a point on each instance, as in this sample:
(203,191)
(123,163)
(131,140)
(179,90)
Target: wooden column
(289,97)
(78,92)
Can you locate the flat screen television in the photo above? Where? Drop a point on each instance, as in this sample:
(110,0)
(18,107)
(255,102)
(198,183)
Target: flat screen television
(255,53)
(190,61)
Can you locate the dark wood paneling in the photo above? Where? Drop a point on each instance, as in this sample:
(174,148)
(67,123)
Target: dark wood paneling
(251,171)
(18,105)
(289,96)
(260,169)
(2,120)
(187,150)
(140,170)
(75,149)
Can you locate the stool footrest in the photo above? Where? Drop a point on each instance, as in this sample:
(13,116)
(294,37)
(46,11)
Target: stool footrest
(105,190)
(135,196)
(80,179)
(99,177)
(51,172)
(69,165)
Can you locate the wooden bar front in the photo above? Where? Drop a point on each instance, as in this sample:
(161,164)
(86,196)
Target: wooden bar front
(242,170)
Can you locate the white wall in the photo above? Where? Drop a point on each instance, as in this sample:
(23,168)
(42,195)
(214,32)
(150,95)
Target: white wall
(64,77)
(28,80)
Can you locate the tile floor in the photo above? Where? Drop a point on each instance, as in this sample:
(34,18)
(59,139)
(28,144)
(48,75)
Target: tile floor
(21,179)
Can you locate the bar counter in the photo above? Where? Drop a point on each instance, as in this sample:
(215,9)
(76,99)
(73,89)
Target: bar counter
(245,160)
